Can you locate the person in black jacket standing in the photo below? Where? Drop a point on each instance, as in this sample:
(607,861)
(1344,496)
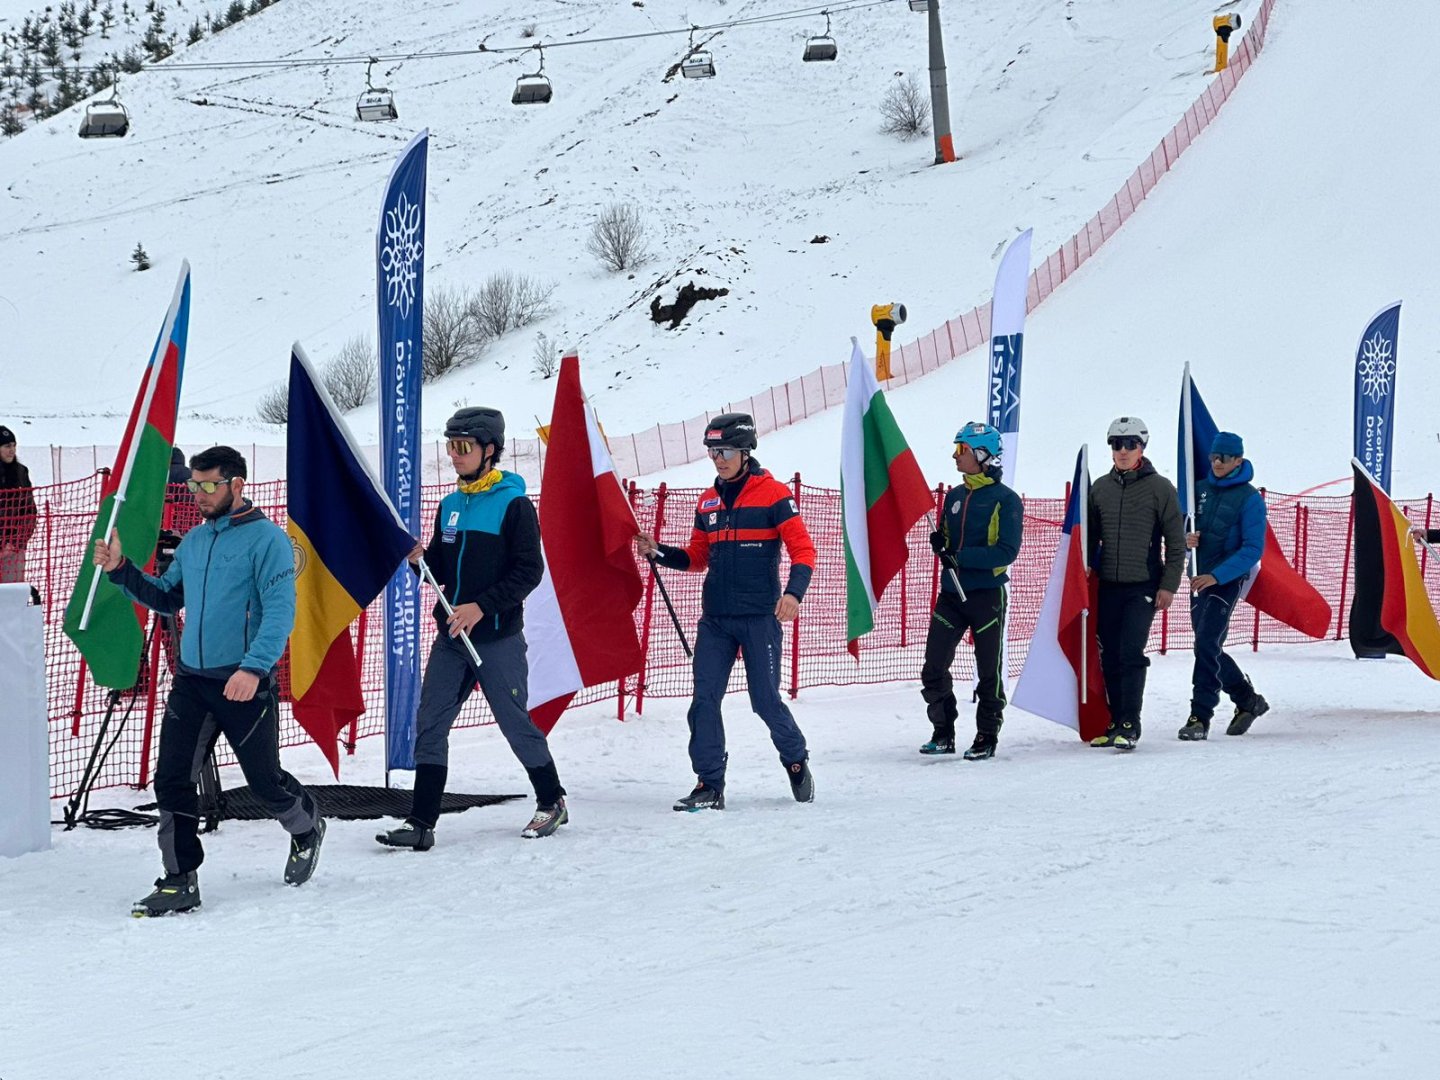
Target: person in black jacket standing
(1134,511)
(485,555)
(978,538)
(17,511)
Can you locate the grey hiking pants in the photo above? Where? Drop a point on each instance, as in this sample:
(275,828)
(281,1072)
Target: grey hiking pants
(504,680)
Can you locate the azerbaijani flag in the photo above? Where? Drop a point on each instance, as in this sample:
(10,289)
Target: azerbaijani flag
(107,628)
(1391,612)
(348,541)
(1062,680)
(882,494)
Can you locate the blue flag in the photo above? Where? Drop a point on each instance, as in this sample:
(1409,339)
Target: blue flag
(1375,393)
(1197,433)
(400,289)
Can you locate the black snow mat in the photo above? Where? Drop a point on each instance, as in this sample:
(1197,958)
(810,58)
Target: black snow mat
(349,802)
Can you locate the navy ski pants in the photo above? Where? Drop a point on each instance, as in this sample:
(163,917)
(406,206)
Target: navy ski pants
(1210,612)
(717,641)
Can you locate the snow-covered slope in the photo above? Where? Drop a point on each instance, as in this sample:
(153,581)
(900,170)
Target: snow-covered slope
(268,184)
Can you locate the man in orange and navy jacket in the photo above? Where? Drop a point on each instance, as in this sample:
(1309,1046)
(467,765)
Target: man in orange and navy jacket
(740,523)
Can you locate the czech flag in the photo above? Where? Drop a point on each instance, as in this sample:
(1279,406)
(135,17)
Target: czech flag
(348,541)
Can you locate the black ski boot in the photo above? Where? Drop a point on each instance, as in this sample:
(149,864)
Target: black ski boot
(1246,714)
(410,835)
(546,820)
(173,895)
(802,784)
(939,744)
(983,747)
(1127,735)
(703,797)
(304,855)
(1195,730)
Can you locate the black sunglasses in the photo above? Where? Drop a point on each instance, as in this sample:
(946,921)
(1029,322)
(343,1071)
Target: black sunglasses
(1125,442)
(1223,459)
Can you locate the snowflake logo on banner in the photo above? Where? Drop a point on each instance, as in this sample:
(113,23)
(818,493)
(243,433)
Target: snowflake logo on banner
(1376,367)
(400,257)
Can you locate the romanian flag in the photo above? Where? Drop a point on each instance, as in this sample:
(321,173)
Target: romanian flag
(348,542)
(131,502)
(882,494)
(1391,612)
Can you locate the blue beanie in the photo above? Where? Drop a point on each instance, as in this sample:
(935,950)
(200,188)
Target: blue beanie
(1227,442)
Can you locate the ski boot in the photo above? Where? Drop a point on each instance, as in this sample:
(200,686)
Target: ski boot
(703,797)
(939,744)
(547,819)
(1127,735)
(304,855)
(410,835)
(174,894)
(983,747)
(1246,714)
(802,784)
(1195,730)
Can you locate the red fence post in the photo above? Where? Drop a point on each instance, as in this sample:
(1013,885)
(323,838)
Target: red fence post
(79,700)
(660,493)
(1425,549)
(360,674)
(1345,568)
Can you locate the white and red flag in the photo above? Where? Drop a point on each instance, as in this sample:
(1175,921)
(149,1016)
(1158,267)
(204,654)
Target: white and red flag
(1061,680)
(580,622)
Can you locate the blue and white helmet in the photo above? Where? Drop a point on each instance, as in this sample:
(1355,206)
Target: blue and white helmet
(982,439)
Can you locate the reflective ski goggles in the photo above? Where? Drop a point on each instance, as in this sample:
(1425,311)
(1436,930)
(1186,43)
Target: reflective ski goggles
(724,453)
(207,486)
(1223,459)
(459,446)
(1126,442)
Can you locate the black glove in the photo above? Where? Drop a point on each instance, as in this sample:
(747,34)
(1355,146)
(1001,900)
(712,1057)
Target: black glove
(937,542)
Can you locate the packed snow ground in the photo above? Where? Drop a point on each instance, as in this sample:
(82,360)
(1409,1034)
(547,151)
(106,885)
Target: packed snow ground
(1254,907)
(271,187)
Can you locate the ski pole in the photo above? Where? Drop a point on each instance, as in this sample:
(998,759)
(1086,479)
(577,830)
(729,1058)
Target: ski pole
(428,576)
(665,596)
(950,570)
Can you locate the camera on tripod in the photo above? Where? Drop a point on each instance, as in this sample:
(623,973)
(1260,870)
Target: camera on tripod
(165,546)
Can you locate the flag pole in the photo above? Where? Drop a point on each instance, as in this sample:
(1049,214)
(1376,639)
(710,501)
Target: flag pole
(1085,565)
(428,576)
(949,570)
(1188,463)
(665,596)
(142,417)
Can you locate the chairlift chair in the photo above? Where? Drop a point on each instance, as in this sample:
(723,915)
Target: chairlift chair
(821,46)
(376,102)
(533,89)
(698,65)
(919,5)
(104,120)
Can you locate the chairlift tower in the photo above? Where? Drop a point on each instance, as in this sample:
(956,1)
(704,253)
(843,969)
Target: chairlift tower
(939,92)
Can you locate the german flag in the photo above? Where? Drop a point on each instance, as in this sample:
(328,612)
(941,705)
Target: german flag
(1391,612)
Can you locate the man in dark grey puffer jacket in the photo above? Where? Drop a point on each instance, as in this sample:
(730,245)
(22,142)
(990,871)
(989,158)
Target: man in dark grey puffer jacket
(1134,514)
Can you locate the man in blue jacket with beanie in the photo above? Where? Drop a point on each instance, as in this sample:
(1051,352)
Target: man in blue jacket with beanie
(234,576)
(1228,540)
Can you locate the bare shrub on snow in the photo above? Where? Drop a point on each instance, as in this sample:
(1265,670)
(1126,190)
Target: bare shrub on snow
(904,111)
(508,301)
(617,238)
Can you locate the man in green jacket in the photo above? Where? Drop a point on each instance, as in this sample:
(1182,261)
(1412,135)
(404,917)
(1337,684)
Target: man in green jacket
(978,538)
(1139,537)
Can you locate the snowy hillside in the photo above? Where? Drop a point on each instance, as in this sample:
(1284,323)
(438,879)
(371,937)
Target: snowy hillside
(265,180)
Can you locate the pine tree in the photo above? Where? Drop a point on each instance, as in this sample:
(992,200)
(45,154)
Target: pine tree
(10,122)
(140,258)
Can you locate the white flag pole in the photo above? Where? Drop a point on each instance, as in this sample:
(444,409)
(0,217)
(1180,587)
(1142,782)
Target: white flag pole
(428,576)
(1187,463)
(157,359)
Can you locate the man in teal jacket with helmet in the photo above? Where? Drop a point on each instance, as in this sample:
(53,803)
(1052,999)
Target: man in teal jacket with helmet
(1228,540)
(234,576)
(978,538)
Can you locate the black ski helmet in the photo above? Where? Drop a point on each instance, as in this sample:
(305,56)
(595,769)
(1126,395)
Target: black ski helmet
(732,429)
(479,424)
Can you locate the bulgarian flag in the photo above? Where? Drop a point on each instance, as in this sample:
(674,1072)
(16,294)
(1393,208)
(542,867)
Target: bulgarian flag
(106,627)
(882,494)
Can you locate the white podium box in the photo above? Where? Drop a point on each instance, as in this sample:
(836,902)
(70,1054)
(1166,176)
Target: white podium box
(24,734)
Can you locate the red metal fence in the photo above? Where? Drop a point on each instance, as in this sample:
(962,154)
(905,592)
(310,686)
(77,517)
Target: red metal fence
(1314,531)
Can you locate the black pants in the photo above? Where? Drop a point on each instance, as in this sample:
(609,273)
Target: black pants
(195,715)
(983,612)
(1123,628)
(1210,613)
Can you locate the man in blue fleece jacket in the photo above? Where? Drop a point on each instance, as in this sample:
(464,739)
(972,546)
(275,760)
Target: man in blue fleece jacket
(234,576)
(1228,540)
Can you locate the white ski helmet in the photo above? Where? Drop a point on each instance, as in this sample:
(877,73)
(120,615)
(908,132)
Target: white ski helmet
(1129,427)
